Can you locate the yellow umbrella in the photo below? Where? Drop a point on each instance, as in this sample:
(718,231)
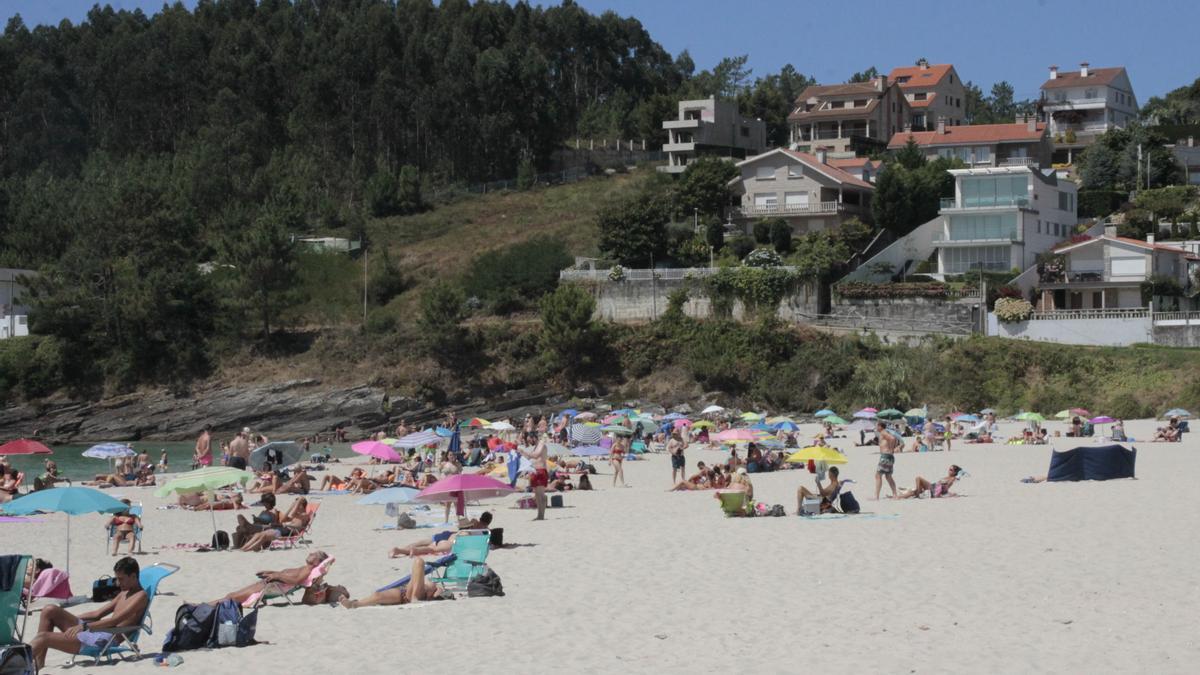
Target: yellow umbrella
(817,453)
(704,424)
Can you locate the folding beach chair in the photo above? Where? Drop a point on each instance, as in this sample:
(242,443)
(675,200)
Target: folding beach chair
(470,553)
(733,502)
(299,537)
(275,590)
(134,510)
(149,578)
(15,655)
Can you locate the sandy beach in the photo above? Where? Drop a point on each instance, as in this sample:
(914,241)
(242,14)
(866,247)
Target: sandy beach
(1009,577)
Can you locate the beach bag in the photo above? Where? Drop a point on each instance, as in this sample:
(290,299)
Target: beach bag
(232,628)
(220,540)
(404,521)
(777,511)
(556,501)
(16,660)
(194,626)
(585,483)
(485,585)
(104,589)
(496,537)
(848,503)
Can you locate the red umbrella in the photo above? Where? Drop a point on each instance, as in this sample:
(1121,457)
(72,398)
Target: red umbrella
(24,446)
(461,487)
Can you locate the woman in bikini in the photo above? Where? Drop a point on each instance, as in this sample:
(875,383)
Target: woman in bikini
(616,458)
(332,482)
(269,518)
(941,488)
(417,589)
(126,525)
(295,521)
(9,485)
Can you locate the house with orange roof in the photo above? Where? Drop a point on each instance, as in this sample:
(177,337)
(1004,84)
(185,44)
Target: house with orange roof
(1107,272)
(804,189)
(934,92)
(1080,105)
(1020,144)
(852,118)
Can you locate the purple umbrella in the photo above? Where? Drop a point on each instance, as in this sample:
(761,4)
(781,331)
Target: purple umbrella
(461,487)
(1103,419)
(377,450)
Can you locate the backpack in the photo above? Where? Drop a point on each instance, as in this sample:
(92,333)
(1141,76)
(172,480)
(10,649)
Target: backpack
(777,511)
(220,540)
(848,503)
(485,585)
(585,483)
(194,625)
(232,628)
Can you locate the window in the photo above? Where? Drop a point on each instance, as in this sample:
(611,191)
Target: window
(860,103)
(983,154)
(1060,96)
(1063,200)
(920,96)
(903,79)
(795,171)
(1129,267)
(795,200)
(766,200)
(1089,93)
(951,79)
(983,226)
(960,260)
(765,173)
(21,320)
(1039,226)
(958,103)
(994,191)
(745,132)
(837,104)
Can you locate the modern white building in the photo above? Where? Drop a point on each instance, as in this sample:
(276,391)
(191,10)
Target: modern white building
(1001,218)
(14,314)
(1080,105)
(708,127)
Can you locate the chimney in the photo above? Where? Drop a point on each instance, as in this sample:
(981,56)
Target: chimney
(1031,124)
(823,155)
(1083,69)
(941,126)
(1150,239)
(1054,72)
(1110,230)
(923,64)
(881,83)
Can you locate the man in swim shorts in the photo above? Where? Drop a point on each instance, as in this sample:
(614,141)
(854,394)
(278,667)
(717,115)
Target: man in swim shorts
(888,442)
(88,629)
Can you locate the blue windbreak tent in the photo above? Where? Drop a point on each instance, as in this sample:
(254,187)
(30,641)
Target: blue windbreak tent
(1103,462)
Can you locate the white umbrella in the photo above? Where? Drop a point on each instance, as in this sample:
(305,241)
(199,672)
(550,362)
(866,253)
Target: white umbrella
(712,409)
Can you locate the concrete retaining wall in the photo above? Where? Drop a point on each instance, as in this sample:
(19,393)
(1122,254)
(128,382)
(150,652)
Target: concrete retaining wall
(646,300)
(908,309)
(1177,333)
(1112,332)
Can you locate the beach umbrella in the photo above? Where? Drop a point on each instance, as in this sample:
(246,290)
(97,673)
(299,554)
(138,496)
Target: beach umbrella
(817,453)
(1176,412)
(673,416)
(889,414)
(617,429)
(1062,414)
(865,414)
(779,418)
(72,501)
(589,451)
(377,450)
(786,426)
(735,435)
(393,495)
(761,427)
(462,487)
(443,432)
(556,449)
(834,419)
(986,411)
(586,435)
(109,451)
(203,480)
(861,425)
(870,409)
(751,416)
(1102,419)
(966,418)
(586,416)
(704,424)
(681,423)
(1030,417)
(824,412)
(614,419)
(501,426)
(712,409)
(476,423)
(569,412)
(917,412)
(420,439)
(24,446)
(287,453)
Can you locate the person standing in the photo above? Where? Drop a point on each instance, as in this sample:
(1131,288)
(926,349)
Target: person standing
(888,443)
(239,449)
(540,478)
(203,454)
(678,463)
(616,459)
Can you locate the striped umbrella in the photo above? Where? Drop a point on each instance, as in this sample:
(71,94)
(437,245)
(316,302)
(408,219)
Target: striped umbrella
(419,439)
(109,451)
(586,435)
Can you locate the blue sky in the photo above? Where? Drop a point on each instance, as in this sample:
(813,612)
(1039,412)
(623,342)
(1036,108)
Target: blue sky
(986,40)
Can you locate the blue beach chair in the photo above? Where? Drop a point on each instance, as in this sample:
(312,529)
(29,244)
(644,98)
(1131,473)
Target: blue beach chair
(149,578)
(15,655)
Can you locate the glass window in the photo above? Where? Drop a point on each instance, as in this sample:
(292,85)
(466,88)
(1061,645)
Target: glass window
(983,154)
(795,199)
(765,200)
(966,259)
(795,171)
(983,226)
(765,173)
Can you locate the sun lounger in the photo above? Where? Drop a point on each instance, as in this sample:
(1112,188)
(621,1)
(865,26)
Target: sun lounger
(470,558)
(429,568)
(275,589)
(150,578)
(299,537)
(13,651)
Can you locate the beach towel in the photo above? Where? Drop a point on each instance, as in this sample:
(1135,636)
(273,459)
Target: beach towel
(52,583)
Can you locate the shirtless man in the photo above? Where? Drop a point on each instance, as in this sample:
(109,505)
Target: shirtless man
(317,593)
(675,450)
(203,453)
(88,629)
(888,444)
(540,477)
(824,492)
(239,449)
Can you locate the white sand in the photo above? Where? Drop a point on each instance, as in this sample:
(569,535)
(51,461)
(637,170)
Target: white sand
(1080,577)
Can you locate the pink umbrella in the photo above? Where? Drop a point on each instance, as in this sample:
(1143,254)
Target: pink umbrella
(461,487)
(737,435)
(378,450)
(682,423)
(24,447)
(874,410)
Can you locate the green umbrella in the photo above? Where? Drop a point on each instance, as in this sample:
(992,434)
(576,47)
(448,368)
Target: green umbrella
(1030,417)
(917,412)
(834,419)
(889,414)
(203,480)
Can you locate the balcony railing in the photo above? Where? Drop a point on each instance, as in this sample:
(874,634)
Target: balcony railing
(1061,314)
(989,203)
(812,208)
(1008,234)
(1018,161)
(1067,102)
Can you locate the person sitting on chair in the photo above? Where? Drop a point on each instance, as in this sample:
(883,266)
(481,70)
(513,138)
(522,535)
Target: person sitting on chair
(824,492)
(88,629)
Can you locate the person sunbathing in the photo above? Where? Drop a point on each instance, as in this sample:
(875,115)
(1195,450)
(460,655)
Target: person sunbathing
(294,522)
(315,594)
(126,525)
(269,518)
(418,588)
(1169,433)
(824,492)
(298,484)
(442,542)
(88,629)
(941,488)
(221,503)
(332,482)
(982,437)
(10,485)
(698,481)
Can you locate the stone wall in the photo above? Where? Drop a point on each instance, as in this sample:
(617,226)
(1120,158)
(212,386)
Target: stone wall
(1177,333)
(934,310)
(630,300)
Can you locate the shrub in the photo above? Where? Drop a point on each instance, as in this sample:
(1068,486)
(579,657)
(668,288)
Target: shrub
(507,279)
(1098,203)
(763,257)
(526,174)
(865,290)
(1013,310)
(741,246)
(567,334)
(762,231)
(616,273)
(714,234)
(781,236)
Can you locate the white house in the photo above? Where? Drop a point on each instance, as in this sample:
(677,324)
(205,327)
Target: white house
(1080,105)
(1001,218)
(14,314)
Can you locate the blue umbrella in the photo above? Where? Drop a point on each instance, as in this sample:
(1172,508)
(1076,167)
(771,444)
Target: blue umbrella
(72,501)
(443,432)
(761,427)
(569,412)
(1177,412)
(787,426)
(824,412)
(109,451)
(672,417)
(966,418)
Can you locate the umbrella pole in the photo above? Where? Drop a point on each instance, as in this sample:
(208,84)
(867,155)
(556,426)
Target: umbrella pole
(68,544)
(460,504)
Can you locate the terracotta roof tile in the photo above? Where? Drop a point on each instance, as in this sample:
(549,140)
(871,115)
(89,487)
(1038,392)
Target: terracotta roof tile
(973,133)
(1100,76)
(829,169)
(848,89)
(919,78)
